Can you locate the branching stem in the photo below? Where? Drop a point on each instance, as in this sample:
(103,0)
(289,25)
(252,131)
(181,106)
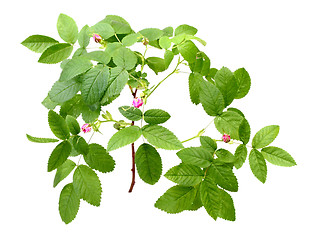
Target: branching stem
(133,155)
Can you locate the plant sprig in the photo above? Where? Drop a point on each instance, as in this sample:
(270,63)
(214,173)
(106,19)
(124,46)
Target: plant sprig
(91,80)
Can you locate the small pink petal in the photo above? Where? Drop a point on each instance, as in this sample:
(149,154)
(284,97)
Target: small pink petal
(137,102)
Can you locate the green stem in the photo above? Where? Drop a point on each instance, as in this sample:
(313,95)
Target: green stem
(175,70)
(143,60)
(200,133)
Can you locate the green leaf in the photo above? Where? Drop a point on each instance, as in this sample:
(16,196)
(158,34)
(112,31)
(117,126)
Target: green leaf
(69,203)
(197,203)
(278,156)
(99,56)
(56,53)
(87,185)
(226,208)
(148,163)
(190,37)
(131,113)
(80,145)
(74,152)
(64,91)
(210,197)
(185,29)
(211,98)
(72,107)
(152,34)
(59,155)
(119,24)
(168,56)
(131,39)
(195,81)
(258,165)
(79,53)
(83,37)
(41,140)
(176,199)
(243,81)
(63,171)
(240,155)
(125,58)
(228,123)
(236,110)
(124,137)
(165,42)
(156,64)
(244,131)
(197,156)
(58,125)
(99,159)
(94,84)
(188,50)
(225,156)
(208,143)
(90,115)
(49,104)
(67,28)
(118,80)
(105,30)
(168,31)
(185,174)
(156,116)
(265,136)
(223,175)
(73,125)
(161,137)
(201,64)
(227,84)
(74,68)
(38,43)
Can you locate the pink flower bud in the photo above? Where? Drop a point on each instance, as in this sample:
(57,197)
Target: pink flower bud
(226,138)
(86,128)
(137,102)
(97,38)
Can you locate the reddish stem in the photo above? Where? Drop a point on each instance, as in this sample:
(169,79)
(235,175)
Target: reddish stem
(133,156)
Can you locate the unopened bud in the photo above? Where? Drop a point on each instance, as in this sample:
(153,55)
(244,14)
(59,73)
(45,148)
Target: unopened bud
(97,38)
(226,138)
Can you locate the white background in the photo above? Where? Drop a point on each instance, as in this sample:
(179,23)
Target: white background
(273,40)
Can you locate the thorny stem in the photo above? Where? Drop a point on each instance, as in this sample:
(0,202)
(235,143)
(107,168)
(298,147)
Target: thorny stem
(133,156)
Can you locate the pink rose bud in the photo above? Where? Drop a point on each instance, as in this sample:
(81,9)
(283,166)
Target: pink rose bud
(137,102)
(226,138)
(97,38)
(86,128)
